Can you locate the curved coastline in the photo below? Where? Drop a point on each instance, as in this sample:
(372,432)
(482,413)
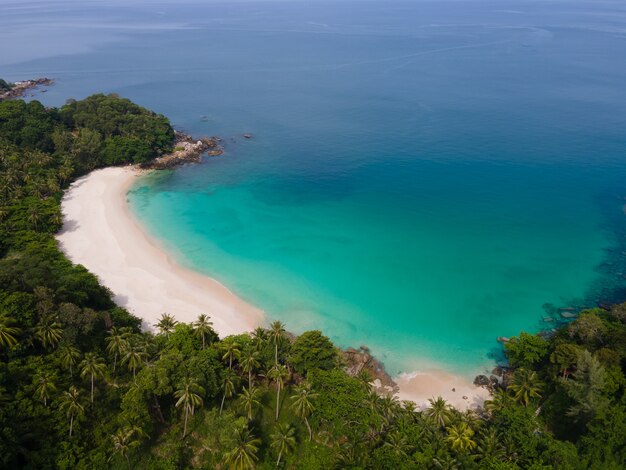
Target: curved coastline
(100,232)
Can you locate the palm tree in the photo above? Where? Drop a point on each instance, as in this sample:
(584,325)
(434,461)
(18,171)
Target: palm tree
(278,372)
(203,327)
(525,386)
(366,379)
(489,445)
(249,361)
(92,366)
(69,358)
(70,402)
(243,455)
(8,332)
(439,412)
(117,344)
(189,397)
(302,404)
(166,324)
(123,442)
(134,357)
(283,440)
(231,350)
(398,443)
(249,400)
(49,332)
(228,384)
(460,437)
(259,335)
(276,334)
(44,386)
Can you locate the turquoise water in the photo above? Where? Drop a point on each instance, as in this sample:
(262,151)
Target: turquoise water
(424,176)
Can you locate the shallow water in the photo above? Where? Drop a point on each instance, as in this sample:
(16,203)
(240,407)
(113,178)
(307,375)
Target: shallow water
(424,176)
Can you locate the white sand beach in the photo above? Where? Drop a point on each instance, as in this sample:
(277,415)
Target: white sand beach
(100,233)
(456,390)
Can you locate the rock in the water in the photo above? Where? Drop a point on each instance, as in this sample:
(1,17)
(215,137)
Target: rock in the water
(481,380)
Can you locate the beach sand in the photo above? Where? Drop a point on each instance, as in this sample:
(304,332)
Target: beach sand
(432,383)
(100,233)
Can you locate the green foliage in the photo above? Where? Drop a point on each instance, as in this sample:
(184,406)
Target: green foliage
(312,350)
(82,387)
(526,350)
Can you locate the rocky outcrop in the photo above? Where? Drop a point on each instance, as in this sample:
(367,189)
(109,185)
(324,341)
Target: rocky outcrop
(19,88)
(361,359)
(186,150)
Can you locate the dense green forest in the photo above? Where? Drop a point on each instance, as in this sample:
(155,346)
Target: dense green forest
(82,386)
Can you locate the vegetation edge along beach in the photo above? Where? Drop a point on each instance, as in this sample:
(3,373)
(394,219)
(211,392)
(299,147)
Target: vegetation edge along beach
(82,385)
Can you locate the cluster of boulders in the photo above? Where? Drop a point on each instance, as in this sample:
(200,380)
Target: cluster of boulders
(358,360)
(186,150)
(500,377)
(19,88)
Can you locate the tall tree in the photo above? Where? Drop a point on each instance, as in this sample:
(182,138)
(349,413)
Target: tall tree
(188,398)
(460,437)
(439,412)
(228,386)
(243,455)
(203,327)
(70,403)
(231,350)
(249,362)
(277,335)
(49,332)
(278,373)
(249,399)
(302,404)
(525,386)
(93,367)
(124,441)
(134,357)
(69,357)
(587,388)
(44,386)
(166,324)
(283,440)
(117,343)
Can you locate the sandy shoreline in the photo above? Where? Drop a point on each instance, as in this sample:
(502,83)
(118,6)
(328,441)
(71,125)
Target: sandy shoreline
(100,233)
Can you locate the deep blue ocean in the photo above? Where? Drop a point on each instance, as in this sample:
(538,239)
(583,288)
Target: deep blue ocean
(424,176)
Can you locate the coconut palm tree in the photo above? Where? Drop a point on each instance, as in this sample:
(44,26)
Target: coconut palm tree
(166,324)
(189,398)
(123,442)
(203,327)
(134,357)
(8,332)
(277,334)
(489,445)
(231,350)
(49,332)
(397,443)
(249,361)
(302,404)
(228,384)
(525,386)
(278,372)
(44,386)
(283,440)
(93,367)
(259,336)
(439,412)
(117,343)
(499,400)
(70,402)
(69,357)
(243,455)
(460,437)
(249,400)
